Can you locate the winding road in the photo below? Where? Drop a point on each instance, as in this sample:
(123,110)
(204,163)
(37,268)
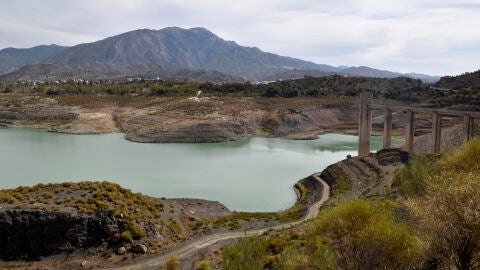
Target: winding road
(156,262)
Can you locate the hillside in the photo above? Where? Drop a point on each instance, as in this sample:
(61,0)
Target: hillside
(12,58)
(363,71)
(57,72)
(469,80)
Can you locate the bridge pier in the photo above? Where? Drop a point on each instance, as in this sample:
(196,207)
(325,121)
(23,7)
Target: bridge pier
(436,132)
(387,129)
(365,125)
(468,122)
(409,131)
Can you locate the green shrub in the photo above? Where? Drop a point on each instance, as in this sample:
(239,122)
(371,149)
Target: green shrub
(126,236)
(137,232)
(366,235)
(294,213)
(412,179)
(303,191)
(204,265)
(247,253)
(48,195)
(175,227)
(466,158)
(293,259)
(317,256)
(277,244)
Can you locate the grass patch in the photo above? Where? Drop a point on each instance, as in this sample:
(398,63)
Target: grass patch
(292,214)
(233,223)
(467,158)
(304,192)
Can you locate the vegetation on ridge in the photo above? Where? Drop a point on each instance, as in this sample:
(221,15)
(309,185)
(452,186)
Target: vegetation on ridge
(134,209)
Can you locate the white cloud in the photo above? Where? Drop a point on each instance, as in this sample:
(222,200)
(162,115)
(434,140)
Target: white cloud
(429,36)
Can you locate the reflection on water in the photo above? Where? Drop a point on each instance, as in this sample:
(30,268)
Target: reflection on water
(251,174)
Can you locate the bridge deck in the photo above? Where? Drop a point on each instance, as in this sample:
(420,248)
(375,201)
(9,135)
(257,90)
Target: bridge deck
(365,124)
(423,110)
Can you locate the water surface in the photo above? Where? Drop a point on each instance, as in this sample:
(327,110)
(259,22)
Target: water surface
(251,174)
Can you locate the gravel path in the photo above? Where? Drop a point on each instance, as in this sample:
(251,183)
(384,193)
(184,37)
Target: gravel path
(156,262)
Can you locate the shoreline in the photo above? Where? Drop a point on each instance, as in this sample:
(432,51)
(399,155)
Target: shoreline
(310,137)
(195,242)
(237,204)
(188,249)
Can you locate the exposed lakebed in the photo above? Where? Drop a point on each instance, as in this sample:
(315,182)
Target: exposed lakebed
(251,174)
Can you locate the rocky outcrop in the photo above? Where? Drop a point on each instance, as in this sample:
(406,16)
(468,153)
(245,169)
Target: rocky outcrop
(372,175)
(35,112)
(203,131)
(139,248)
(295,122)
(31,233)
(333,173)
(175,120)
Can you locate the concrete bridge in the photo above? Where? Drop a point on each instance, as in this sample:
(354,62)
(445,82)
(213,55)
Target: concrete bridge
(365,124)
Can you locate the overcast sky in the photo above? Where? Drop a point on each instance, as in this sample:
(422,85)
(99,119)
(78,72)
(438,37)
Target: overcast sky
(435,37)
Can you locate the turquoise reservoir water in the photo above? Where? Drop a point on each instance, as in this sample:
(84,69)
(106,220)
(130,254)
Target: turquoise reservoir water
(251,174)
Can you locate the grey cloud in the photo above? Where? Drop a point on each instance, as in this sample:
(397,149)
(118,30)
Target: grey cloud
(429,36)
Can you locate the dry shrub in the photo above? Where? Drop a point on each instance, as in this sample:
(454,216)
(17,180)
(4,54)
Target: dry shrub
(449,217)
(172,263)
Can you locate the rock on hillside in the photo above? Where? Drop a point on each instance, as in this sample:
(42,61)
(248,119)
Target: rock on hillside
(224,119)
(30,233)
(369,176)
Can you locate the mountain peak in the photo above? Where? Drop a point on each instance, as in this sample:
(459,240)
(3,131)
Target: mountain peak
(188,31)
(178,48)
(201,30)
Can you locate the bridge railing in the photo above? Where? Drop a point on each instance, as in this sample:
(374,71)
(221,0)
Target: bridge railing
(365,124)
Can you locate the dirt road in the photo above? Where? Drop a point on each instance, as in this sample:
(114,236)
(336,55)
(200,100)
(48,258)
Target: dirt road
(156,262)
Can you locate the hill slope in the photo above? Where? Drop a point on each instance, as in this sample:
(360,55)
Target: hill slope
(363,71)
(12,58)
(466,80)
(54,72)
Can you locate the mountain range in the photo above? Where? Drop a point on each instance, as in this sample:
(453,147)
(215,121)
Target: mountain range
(172,52)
